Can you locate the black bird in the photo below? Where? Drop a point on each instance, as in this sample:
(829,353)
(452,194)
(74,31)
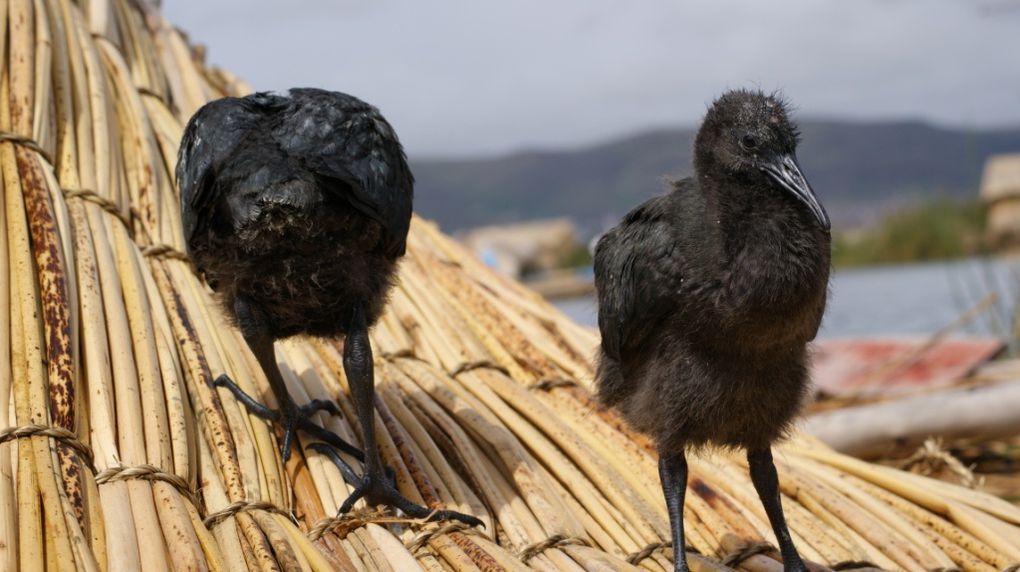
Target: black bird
(708,296)
(296,209)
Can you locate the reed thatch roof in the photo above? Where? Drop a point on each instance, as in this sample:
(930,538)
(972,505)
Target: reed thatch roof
(1001,177)
(118,453)
(1000,190)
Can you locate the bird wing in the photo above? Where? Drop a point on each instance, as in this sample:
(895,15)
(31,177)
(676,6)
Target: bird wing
(212,136)
(635,276)
(347,142)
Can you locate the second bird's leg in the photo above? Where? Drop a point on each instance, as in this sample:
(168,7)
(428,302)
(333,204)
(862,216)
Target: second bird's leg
(673,474)
(376,486)
(766,482)
(290,415)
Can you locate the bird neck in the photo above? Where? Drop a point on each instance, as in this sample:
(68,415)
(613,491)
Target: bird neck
(753,215)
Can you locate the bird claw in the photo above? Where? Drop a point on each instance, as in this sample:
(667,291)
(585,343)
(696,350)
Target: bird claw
(292,417)
(384,491)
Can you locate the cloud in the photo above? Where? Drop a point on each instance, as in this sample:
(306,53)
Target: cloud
(459,77)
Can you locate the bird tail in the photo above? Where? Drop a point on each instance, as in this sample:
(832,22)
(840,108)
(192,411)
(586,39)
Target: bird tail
(294,194)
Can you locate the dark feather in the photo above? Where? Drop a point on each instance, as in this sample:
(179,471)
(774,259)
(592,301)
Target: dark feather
(298,204)
(342,138)
(708,294)
(345,142)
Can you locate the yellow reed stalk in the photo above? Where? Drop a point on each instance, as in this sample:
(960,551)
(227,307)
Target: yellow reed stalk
(503,451)
(158,449)
(36,478)
(215,430)
(999,535)
(938,526)
(601,520)
(423,475)
(30,519)
(989,504)
(126,393)
(635,465)
(435,401)
(43,128)
(252,448)
(179,529)
(813,539)
(587,460)
(227,534)
(180,417)
(311,557)
(529,480)
(8,508)
(922,548)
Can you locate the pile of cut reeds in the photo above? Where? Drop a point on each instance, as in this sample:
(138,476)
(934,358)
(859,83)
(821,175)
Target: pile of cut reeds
(118,453)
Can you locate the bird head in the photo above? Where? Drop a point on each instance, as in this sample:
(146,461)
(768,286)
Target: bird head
(748,135)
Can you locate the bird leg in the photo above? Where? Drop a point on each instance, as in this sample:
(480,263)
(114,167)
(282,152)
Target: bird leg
(766,482)
(673,474)
(289,415)
(377,485)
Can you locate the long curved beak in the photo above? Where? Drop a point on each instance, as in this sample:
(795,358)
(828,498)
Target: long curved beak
(785,171)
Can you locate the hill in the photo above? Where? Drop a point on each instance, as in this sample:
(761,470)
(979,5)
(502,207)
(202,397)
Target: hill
(858,170)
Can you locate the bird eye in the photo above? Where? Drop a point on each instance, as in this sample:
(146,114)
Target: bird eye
(749,142)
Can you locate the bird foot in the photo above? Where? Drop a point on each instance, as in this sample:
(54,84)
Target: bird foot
(382,490)
(292,417)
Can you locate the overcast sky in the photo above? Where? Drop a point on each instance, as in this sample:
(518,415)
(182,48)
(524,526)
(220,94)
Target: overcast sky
(478,77)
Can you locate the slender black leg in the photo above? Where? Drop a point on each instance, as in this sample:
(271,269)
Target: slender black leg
(345,468)
(376,486)
(292,417)
(766,482)
(673,474)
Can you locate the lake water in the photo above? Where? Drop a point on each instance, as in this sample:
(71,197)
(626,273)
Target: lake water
(914,299)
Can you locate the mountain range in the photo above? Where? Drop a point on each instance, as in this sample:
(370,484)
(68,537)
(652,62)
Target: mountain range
(858,169)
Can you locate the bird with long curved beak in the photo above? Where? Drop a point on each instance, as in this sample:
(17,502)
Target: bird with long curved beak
(785,170)
(708,296)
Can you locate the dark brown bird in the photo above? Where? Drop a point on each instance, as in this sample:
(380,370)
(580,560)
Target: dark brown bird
(296,209)
(708,296)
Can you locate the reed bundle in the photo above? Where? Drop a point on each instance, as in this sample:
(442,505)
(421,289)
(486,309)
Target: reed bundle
(118,454)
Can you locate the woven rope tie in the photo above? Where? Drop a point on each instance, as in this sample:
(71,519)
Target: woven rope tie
(96,199)
(59,433)
(549,384)
(26,142)
(164,251)
(647,551)
(654,547)
(235,508)
(150,93)
(931,455)
(344,525)
(152,250)
(423,538)
(148,473)
(480,364)
(554,541)
(735,558)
